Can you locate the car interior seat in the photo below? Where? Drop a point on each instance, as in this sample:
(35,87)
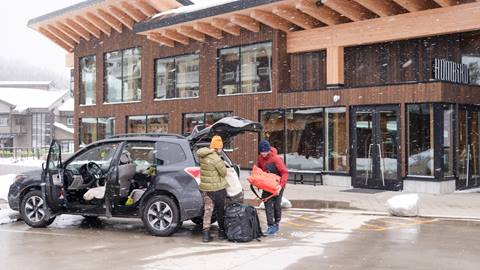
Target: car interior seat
(126,172)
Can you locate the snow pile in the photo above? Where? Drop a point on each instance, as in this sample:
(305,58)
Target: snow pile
(403,205)
(285,204)
(8,216)
(5,182)
(23,98)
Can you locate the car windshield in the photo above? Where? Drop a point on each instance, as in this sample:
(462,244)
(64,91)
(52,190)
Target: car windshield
(100,154)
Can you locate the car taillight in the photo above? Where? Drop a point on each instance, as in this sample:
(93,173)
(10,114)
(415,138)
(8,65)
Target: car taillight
(194,172)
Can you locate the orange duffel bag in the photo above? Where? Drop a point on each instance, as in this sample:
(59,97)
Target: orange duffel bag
(268,182)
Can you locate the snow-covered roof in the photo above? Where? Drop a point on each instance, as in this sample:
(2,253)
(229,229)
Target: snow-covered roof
(199,5)
(67,106)
(25,98)
(25,82)
(63,127)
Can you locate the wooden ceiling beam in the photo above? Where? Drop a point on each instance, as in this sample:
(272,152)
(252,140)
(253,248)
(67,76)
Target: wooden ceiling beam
(226,26)
(145,7)
(55,39)
(381,8)
(78,29)
(271,20)
(131,11)
(88,26)
(351,10)
(175,36)
(415,5)
(321,13)
(110,20)
(99,23)
(121,16)
(208,30)
(162,5)
(294,16)
(67,31)
(188,31)
(158,38)
(446,3)
(245,22)
(56,32)
(431,22)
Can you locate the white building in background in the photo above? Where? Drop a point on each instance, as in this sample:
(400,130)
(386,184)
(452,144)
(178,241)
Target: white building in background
(31,116)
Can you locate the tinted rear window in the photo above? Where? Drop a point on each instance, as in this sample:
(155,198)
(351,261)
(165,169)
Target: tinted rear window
(169,153)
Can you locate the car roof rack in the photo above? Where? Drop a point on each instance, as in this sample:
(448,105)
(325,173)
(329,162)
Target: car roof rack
(153,135)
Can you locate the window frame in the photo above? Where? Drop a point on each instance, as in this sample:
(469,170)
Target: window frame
(96,128)
(80,88)
(105,84)
(239,84)
(174,58)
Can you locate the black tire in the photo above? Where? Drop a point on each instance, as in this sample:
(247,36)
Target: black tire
(32,211)
(161,216)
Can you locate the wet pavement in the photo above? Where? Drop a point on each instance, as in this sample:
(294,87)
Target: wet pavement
(308,240)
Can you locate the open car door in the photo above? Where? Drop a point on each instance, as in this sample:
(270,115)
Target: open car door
(227,128)
(112,187)
(52,178)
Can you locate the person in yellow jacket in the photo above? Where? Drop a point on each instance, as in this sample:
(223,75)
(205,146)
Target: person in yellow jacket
(212,186)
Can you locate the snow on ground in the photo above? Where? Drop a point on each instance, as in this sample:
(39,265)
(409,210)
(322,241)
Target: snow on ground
(472,190)
(216,255)
(7,215)
(29,162)
(5,182)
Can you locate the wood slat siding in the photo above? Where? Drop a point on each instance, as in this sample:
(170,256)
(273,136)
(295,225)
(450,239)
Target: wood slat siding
(248,106)
(308,71)
(398,62)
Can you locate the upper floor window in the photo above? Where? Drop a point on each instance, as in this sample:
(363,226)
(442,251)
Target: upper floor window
(177,77)
(88,73)
(70,121)
(3,121)
(123,75)
(246,69)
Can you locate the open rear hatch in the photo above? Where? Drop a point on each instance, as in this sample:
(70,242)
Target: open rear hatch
(227,128)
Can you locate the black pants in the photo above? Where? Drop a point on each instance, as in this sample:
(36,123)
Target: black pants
(218,200)
(273,208)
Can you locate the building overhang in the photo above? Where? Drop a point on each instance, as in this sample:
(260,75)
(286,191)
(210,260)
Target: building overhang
(299,19)
(67,27)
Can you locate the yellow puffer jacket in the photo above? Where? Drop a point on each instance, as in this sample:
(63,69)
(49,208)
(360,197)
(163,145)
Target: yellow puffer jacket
(212,170)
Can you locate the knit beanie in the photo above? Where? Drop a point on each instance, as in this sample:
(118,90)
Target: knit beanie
(216,142)
(263,146)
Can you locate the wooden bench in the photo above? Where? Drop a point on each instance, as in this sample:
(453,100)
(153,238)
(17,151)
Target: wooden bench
(301,173)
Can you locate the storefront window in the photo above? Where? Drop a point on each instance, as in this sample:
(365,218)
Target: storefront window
(137,124)
(157,123)
(336,148)
(87,80)
(448,139)
(123,75)
(245,69)
(202,120)
(177,77)
(106,128)
(274,128)
(420,139)
(305,139)
(473,63)
(94,129)
(88,130)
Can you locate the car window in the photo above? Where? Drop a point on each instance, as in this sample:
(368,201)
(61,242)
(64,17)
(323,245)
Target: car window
(100,154)
(169,153)
(142,154)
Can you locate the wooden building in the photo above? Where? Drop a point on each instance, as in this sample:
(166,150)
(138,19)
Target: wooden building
(376,94)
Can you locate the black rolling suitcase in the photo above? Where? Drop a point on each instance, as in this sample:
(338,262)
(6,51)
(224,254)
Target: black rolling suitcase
(241,223)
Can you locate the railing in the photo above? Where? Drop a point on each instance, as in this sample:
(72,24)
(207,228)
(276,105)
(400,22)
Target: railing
(24,152)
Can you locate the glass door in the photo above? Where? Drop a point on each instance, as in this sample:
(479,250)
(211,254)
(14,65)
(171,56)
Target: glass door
(468,148)
(375,147)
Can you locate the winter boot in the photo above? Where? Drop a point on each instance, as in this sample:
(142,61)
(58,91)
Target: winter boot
(222,235)
(270,230)
(206,236)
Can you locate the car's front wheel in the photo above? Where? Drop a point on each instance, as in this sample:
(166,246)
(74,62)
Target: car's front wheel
(33,210)
(161,216)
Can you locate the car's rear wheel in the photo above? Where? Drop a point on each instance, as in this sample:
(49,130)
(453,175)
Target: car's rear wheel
(33,210)
(161,216)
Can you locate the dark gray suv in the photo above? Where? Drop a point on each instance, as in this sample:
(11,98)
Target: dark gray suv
(149,176)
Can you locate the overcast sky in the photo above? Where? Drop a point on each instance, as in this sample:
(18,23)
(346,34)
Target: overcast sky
(22,43)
